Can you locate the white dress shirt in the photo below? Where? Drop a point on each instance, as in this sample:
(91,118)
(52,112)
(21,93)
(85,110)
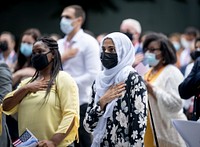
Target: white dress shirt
(85,65)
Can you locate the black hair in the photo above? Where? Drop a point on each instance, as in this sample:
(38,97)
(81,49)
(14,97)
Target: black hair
(197,40)
(192,31)
(167,49)
(57,65)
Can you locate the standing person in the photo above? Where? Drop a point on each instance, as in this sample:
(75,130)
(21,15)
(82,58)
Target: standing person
(132,28)
(5,87)
(162,82)
(189,102)
(117,114)
(23,68)
(7,51)
(187,41)
(80,58)
(175,38)
(46,105)
(190,86)
(194,55)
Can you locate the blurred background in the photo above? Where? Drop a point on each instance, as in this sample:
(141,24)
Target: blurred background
(165,16)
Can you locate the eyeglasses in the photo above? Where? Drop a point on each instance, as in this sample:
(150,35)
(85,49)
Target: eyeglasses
(153,49)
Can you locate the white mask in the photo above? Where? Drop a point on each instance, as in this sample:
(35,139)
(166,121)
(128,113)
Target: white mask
(186,44)
(66,25)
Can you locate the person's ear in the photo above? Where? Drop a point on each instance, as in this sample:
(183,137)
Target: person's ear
(80,20)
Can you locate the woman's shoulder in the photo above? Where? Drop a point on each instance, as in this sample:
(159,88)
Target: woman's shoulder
(172,68)
(64,76)
(135,81)
(133,73)
(173,72)
(134,77)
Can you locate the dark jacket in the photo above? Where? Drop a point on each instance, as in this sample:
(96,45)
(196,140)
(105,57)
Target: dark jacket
(191,87)
(5,87)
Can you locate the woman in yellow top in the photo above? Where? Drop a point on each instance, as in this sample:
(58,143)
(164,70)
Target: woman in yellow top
(48,103)
(162,82)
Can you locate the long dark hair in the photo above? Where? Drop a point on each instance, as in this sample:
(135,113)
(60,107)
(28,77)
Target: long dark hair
(57,65)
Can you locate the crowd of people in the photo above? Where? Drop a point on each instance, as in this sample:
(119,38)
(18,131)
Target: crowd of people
(82,90)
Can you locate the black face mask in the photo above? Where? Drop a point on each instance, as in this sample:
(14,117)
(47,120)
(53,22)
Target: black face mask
(109,60)
(129,35)
(3,46)
(195,54)
(40,61)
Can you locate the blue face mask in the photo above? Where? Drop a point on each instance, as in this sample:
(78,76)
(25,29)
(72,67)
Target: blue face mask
(66,25)
(26,49)
(150,58)
(176,45)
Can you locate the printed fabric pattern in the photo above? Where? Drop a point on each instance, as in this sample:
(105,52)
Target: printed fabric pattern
(127,125)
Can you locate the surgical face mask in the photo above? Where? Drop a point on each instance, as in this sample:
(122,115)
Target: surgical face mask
(176,45)
(40,61)
(186,44)
(109,60)
(3,46)
(66,25)
(26,49)
(150,59)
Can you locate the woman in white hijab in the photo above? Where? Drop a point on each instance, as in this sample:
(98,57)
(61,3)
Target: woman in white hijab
(117,114)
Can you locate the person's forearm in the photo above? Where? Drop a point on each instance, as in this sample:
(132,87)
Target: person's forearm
(11,102)
(57,138)
(102,103)
(64,58)
(15,78)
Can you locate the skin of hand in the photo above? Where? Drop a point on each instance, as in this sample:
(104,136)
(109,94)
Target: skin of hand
(69,54)
(46,143)
(138,58)
(114,91)
(37,85)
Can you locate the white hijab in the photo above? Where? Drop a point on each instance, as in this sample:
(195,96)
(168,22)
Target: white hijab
(107,77)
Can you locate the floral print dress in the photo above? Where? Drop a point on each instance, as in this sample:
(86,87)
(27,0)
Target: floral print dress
(126,127)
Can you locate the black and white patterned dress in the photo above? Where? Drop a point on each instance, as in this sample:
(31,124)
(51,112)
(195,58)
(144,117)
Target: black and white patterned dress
(126,127)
